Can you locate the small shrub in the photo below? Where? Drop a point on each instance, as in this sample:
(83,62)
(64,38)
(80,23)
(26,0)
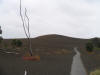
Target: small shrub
(89,47)
(13,43)
(96,42)
(16,43)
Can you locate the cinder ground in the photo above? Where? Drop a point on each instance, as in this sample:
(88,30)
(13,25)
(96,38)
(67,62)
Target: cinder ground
(11,64)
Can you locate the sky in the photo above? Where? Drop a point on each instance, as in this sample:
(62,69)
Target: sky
(74,18)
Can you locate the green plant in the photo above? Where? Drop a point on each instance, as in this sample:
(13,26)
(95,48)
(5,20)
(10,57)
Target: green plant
(96,42)
(13,43)
(89,47)
(19,43)
(16,43)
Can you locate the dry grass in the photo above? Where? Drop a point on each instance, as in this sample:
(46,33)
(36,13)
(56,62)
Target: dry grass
(91,53)
(96,72)
(61,52)
(50,52)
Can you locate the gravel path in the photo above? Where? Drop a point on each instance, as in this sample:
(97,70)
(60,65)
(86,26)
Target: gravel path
(77,65)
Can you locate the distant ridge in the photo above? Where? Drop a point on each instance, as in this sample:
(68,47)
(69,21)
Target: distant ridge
(56,35)
(52,41)
(57,41)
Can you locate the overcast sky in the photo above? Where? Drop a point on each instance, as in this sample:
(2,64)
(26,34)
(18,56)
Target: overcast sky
(75,18)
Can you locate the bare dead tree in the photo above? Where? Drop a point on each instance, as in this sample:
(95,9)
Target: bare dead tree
(26,26)
(22,18)
(30,44)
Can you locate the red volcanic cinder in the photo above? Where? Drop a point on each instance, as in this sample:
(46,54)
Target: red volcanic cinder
(31,58)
